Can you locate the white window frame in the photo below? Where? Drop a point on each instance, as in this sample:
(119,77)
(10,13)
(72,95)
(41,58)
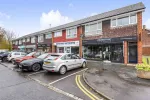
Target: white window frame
(32,40)
(48,37)
(67,30)
(28,39)
(24,40)
(39,38)
(118,17)
(20,41)
(56,33)
(16,42)
(90,32)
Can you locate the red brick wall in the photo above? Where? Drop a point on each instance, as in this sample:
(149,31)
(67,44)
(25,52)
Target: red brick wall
(146,42)
(64,39)
(108,32)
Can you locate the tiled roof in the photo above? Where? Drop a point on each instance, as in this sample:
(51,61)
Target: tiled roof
(130,8)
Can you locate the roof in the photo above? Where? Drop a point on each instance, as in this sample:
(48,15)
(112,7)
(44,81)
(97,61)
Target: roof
(130,8)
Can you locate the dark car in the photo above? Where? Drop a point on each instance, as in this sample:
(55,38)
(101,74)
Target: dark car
(34,64)
(3,56)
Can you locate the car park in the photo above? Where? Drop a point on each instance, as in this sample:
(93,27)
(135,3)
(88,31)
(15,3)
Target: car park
(14,55)
(31,55)
(62,62)
(34,64)
(3,56)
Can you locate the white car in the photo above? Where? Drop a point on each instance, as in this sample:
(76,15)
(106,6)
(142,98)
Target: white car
(14,55)
(62,62)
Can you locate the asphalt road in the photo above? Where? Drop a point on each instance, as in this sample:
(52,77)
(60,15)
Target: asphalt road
(17,85)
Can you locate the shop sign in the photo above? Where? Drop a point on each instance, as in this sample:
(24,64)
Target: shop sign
(30,46)
(71,43)
(42,45)
(21,47)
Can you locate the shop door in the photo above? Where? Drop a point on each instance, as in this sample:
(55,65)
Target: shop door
(67,49)
(106,52)
(132,53)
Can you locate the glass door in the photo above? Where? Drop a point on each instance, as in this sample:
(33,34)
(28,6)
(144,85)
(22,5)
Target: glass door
(106,52)
(132,52)
(67,49)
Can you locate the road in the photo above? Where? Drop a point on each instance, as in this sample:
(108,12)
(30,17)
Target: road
(17,85)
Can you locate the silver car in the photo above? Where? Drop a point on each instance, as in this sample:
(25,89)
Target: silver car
(62,62)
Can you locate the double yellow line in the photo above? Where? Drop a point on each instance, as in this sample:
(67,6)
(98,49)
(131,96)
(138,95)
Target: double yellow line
(83,89)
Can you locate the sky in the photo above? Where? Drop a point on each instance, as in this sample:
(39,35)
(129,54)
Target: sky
(29,16)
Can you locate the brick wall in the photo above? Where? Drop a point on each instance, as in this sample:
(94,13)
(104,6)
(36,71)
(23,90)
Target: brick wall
(146,41)
(108,32)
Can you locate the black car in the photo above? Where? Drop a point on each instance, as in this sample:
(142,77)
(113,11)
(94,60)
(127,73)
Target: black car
(34,64)
(3,56)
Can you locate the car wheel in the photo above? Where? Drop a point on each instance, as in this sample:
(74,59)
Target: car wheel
(62,70)
(12,61)
(4,59)
(36,67)
(84,64)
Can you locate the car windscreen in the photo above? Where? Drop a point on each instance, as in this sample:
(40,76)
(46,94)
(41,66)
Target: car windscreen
(53,57)
(30,54)
(43,56)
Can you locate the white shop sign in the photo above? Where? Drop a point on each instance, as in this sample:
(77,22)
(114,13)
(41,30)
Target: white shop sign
(67,44)
(30,46)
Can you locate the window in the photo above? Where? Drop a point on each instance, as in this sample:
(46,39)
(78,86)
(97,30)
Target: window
(20,41)
(24,40)
(48,36)
(132,19)
(71,33)
(28,39)
(58,34)
(124,21)
(16,43)
(16,53)
(40,38)
(113,22)
(91,29)
(32,39)
(23,54)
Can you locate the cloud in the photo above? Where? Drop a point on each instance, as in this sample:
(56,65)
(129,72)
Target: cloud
(3,15)
(71,5)
(52,19)
(147,23)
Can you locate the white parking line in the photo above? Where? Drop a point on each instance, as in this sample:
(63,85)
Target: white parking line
(67,76)
(37,72)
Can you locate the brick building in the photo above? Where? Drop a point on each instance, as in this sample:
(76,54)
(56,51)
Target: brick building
(114,36)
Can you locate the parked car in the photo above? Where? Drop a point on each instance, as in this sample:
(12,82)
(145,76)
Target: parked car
(34,64)
(62,62)
(3,56)
(14,55)
(31,55)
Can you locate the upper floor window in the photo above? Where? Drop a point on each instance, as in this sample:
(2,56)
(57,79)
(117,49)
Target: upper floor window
(58,34)
(33,39)
(16,42)
(124,21)
(24,40)
(48,36)
(20,41)
(91,29)
(28,39)
(71,33)
(40,38)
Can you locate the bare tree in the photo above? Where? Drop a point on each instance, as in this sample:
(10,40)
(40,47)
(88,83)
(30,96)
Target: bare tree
(8,35)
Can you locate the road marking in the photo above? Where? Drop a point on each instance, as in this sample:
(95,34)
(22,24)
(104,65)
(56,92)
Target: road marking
(56,89)
(67,76)
(37,72)
(83,89)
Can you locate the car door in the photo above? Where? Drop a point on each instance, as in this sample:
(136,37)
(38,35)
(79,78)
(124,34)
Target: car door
(69,61)
(77,61)
(17,54)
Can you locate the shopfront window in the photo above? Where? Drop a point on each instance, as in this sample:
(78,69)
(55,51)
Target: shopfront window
(92,52)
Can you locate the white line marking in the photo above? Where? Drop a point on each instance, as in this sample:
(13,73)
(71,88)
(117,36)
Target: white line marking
(67,76)
(37,72)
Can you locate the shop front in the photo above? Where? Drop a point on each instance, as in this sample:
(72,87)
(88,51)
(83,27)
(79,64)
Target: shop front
(109,49)
(44,47)
(30,48)
(21,48)
(67,47)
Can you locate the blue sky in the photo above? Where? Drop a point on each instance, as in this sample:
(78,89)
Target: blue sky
(27,16)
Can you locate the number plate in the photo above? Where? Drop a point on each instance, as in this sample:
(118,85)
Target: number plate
(46,62)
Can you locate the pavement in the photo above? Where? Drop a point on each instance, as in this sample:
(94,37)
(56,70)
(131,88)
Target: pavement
(42,85)
(117,81)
